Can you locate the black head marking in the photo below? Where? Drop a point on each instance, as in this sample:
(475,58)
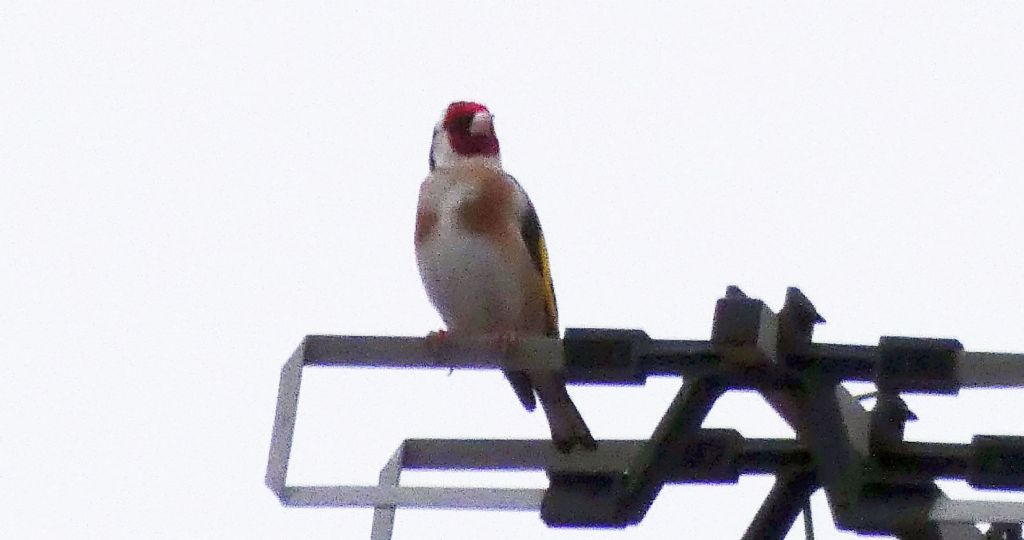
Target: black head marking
(433,143)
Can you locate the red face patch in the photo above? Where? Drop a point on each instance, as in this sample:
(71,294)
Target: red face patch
(457,120)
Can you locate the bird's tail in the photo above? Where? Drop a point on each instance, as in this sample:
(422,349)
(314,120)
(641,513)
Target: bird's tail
(568,429)
(523,388)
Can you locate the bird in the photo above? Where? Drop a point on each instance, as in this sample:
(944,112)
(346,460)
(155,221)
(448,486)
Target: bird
(482,258)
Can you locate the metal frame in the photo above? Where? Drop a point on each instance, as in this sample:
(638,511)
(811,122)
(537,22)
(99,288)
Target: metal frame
(875,482)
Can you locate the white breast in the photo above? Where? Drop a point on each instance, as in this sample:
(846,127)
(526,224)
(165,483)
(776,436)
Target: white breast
(470,283)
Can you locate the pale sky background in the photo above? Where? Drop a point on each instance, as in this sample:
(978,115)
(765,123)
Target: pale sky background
(189,188)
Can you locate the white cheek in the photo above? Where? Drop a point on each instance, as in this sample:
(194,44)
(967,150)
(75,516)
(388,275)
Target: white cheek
(444,156)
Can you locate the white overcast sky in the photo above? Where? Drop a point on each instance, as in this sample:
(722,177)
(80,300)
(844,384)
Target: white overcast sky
(189,188)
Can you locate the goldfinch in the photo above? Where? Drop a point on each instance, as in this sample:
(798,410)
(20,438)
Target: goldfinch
(482,259)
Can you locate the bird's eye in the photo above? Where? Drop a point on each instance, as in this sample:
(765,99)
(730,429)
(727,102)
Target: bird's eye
(462,123)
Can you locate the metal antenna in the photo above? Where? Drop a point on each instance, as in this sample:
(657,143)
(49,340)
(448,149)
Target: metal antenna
(876,482)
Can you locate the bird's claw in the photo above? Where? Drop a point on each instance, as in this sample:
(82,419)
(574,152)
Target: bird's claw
(437,339)
(436,342)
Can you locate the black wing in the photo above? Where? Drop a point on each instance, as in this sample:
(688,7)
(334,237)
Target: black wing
(533,236)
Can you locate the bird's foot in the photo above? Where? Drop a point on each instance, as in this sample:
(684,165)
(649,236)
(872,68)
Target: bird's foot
(437,338)
(436,342)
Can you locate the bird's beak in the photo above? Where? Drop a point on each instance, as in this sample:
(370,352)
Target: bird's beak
(482,124)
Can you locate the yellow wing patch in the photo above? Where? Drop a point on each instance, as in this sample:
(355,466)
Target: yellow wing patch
(533,236)
(550,304)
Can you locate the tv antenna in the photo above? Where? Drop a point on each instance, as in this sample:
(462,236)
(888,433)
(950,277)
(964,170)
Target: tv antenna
(875,482)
